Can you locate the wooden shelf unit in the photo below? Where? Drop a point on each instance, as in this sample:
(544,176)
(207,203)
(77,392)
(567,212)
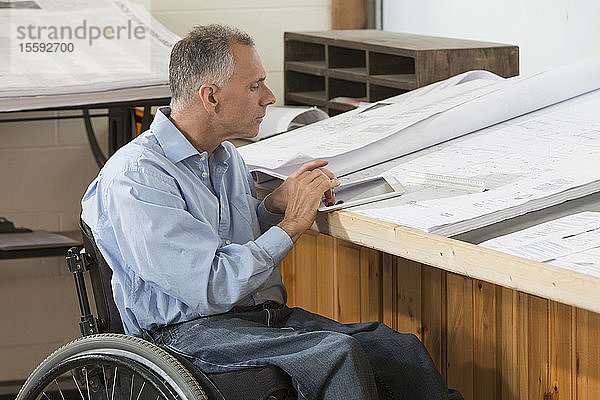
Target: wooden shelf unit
(373,65)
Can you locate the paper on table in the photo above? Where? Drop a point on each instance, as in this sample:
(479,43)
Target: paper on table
(80,99)
(282,119)
(446,83)
(346,132)
(354,140)
(91,65)
(587,262)
(528,163)
(552,240)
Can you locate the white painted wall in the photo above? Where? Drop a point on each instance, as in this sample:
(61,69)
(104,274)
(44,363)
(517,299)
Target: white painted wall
(549,33)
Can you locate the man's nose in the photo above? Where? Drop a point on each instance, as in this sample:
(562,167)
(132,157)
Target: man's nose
(269,97)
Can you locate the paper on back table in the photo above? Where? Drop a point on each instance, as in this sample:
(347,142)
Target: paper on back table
(103,64)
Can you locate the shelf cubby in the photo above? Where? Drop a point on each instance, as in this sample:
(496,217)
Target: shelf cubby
(304,88)
(377,92)
(345,88)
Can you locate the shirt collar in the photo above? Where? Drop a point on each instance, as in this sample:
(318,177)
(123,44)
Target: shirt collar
(174,143)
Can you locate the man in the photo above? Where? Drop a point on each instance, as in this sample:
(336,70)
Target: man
(194,253)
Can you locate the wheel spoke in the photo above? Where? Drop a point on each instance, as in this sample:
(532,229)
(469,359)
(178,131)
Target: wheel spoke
(44,393)
(76,384)
(112,396)
(140,393)
(131,391)
(59,390)
(105,384)
(87,383)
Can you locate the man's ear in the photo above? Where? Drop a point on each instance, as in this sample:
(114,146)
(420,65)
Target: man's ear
(207,93)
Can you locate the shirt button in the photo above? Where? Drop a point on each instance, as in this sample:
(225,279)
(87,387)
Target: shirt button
(204,174)
(228,241)
(202,158)
(257,294)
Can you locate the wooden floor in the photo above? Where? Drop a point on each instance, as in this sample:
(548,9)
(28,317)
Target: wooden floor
(489,342)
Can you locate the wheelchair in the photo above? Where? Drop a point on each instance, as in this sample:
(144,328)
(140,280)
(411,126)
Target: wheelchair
(106,364)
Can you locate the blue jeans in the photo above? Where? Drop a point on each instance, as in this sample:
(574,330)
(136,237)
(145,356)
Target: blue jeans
(326,359)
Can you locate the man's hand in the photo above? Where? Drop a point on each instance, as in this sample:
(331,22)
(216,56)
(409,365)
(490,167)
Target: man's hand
(278,199)
(302,193)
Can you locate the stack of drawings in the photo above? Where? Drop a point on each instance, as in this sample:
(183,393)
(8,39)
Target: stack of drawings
(75,51)
(533,142)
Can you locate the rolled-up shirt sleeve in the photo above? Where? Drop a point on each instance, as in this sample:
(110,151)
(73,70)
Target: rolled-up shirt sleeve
(167,246)
(266,218)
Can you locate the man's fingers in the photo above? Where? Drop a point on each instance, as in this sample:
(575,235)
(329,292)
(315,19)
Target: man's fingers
(319,175)
(310,176)
(321,184)
(327,173)
(329,194)
(309,166)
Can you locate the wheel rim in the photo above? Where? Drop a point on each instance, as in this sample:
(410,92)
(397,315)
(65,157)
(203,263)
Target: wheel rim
(104,377)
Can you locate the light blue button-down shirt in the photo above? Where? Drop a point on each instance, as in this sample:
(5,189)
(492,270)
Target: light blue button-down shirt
(182,232)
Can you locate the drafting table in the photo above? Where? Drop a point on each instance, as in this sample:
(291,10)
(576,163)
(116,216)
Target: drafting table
(120,105)
(461,254)
(495,324)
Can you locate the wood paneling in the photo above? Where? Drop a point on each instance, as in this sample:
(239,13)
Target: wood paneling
(306,271)
(388,288)
(349,14)
(489,342)
(587,365)
(326,262)
(408,296)
(508,352)
(459,352)
(348,283)
(288,275)
(371,285)
(560,343)
(433,315)
(537,360)
(484,337)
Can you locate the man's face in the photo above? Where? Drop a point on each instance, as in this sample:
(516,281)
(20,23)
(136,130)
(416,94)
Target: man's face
(244,98)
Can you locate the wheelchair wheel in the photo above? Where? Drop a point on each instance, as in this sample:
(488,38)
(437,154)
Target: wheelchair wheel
(110,367)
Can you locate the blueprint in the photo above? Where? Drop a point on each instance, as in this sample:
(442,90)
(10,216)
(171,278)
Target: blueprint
(75,46)
(571,242)
(530,142)
(361,138)
(528,163)
(338,136)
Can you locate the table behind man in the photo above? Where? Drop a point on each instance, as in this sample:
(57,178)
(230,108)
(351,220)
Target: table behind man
(194,253)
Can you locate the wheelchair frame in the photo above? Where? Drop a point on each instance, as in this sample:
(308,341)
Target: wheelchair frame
(105,362)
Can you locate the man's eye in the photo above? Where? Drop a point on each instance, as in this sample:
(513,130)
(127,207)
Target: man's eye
(254,88)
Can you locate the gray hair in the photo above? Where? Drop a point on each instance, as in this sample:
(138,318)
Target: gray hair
(203,56)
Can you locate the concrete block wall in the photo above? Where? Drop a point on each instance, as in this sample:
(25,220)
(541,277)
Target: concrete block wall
(45,167)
